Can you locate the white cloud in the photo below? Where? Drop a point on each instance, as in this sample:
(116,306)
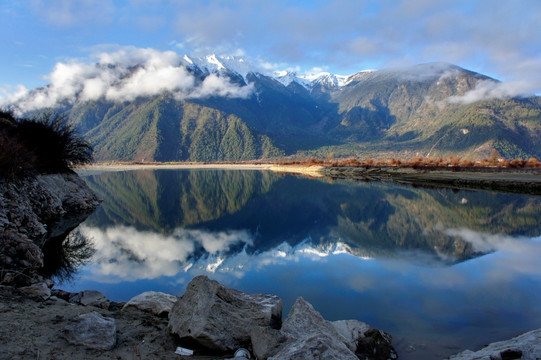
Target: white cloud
(215,242)
(121,75)
(214,85)
(484,90)
(151,81)
(516,254)
(125,253)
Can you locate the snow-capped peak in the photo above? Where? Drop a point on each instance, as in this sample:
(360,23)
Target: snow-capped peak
(224,63)
(309,80)
(187,59)
(216,64)
(327,79)
(287,77)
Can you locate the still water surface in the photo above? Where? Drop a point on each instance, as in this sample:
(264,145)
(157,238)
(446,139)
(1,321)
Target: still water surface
(440,270)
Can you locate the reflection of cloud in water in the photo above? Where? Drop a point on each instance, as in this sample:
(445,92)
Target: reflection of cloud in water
(128,254)
(515,254)
(124,253)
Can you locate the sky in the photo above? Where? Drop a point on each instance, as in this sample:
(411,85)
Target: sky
(499,38)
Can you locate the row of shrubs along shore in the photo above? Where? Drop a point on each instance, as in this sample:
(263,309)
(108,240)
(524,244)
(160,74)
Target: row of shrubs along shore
(421,162)
(42,145)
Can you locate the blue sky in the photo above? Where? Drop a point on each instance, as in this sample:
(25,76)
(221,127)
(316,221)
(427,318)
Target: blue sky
(500,38)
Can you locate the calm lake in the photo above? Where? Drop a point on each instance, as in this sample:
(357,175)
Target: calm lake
(440,270)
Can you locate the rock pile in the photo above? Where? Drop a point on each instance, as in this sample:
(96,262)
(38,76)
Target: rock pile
(88,325)
(33,209)
(526,347)
(220,318)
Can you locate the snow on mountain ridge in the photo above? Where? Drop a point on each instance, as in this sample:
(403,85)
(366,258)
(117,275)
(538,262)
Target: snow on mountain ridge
(242,261)
(310,80)
(224,63)
(217,64)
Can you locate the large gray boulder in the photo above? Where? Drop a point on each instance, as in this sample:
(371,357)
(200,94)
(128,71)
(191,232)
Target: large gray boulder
(314,337)
(155,302)
(220,318)
(351,331)
(267,341)
(526,347)
(92,331)
(305,334)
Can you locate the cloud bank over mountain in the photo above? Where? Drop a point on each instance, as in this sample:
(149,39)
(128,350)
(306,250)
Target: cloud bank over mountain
(126,73)
(123,75)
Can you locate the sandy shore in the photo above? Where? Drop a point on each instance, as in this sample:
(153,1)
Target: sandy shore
(314,170)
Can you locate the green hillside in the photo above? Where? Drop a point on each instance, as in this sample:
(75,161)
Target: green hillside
(164,129)
(388,113)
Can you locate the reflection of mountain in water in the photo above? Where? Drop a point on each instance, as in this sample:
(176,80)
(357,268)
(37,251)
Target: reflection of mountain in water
(163,200)
(369,220)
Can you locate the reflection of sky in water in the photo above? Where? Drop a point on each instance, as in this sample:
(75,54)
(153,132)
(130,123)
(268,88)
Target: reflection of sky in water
(392,256)
(467,304)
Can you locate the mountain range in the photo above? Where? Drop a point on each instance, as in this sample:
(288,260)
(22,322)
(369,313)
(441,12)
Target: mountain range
(422,110)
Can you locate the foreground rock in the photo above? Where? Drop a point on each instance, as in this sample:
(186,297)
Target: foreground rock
(34,328)
(220,318)
(306,335)
(92,330)
(311,336)
(526,347)
(157,303)
(32,210)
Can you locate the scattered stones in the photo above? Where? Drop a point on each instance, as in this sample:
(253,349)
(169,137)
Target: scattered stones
(92,330)
(305,334)
(90,298)
(526,347)
(40,289)
(220,318)
(61,294)
(157,303)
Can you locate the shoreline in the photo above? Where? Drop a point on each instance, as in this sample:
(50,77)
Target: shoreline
(523,181)
(309,170)
(34,325)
